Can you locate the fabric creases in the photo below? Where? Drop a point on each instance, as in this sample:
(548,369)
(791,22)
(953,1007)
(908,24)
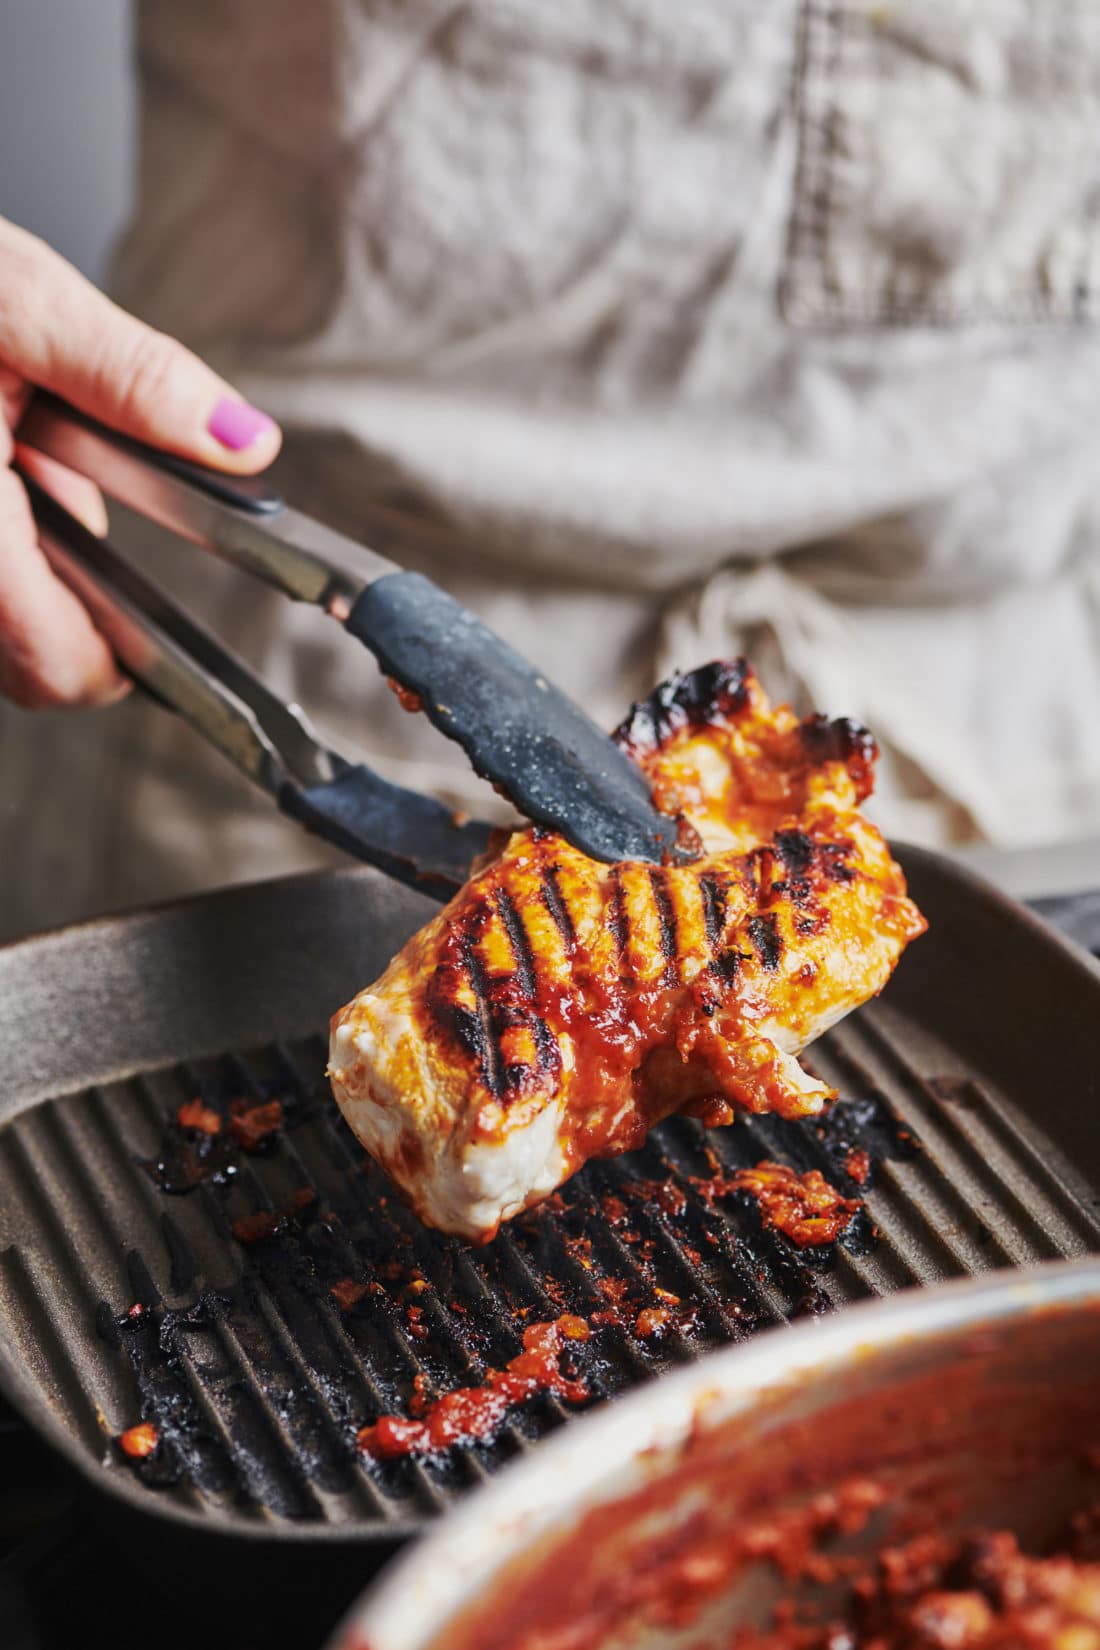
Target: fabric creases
(948,170)
(658,332)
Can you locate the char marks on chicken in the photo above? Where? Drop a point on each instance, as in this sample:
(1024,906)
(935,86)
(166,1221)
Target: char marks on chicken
(558,1007)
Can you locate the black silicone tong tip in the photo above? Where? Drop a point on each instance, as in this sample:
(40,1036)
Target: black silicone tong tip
(522,734)
(410,837)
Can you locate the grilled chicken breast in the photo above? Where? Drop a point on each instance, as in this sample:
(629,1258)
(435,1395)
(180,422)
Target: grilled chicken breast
(557,1008)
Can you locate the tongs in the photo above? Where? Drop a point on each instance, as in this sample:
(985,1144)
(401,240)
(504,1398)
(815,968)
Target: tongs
(520,732)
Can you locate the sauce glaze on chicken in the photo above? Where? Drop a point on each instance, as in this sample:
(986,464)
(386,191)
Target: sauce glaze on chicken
(558,1007)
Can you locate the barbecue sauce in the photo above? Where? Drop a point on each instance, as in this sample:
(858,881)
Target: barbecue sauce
(347,1293)
(477,1411)
(804,1207)
(199,1146)
(406,698)
(139,1442)
(931,1593)
(268,1223)
(252,1125)
(194,1114)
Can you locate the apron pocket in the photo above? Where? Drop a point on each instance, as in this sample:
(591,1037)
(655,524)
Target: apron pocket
(949,163)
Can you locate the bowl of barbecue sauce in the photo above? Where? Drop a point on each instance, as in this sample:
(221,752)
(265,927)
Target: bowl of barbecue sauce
(923,1472)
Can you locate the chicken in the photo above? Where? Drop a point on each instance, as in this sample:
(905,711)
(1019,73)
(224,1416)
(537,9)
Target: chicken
(558,1007)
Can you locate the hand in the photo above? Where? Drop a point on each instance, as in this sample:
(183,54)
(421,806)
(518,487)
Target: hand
(58,331)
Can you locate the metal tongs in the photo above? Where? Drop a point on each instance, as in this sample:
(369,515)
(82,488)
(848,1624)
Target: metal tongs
(521,733)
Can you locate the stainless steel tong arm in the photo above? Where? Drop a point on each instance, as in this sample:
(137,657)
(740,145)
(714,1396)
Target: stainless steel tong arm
(240,518)
(178,660)
(412,837)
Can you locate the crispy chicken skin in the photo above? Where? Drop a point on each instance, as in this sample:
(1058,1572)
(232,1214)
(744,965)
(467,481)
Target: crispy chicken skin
(558,1008)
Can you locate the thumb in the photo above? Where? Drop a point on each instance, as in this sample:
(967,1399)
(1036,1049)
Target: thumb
(58,331)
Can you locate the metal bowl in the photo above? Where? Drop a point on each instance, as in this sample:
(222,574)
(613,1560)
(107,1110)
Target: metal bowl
(971,1405)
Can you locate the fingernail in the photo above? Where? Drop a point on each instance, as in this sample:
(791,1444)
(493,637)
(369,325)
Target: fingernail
(237,425)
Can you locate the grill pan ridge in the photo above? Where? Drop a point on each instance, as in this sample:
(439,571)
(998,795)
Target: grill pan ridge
(972,1084)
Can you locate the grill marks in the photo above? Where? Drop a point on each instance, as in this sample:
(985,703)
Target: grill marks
(617,919)
(796,850)
(766,939)
(468,1026)
(714,909)
(666,917)
(795,870)
(725,964)
(552,899)
(504,1001)
(462,973)
(547,1053)
(504,973)
(521,945)
(792,873)
(489,1051)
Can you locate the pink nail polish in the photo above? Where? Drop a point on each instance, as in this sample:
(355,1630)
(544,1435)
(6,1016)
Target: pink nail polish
(237,425)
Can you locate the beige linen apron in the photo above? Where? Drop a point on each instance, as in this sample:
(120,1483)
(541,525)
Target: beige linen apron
(655,331)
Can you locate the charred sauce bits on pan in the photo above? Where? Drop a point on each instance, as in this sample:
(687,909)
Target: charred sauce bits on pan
(218,1133)
(804,1207)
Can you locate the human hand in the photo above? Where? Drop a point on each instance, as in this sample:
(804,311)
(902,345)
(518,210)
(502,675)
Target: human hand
(58,332)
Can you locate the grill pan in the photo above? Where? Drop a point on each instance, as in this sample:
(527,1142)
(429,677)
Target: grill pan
(972,1083)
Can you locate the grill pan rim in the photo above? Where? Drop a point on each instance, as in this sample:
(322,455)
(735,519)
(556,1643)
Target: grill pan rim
(135,1499)
(273,912)
(27,966)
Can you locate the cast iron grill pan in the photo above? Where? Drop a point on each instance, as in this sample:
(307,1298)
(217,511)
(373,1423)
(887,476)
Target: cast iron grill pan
(971,1085)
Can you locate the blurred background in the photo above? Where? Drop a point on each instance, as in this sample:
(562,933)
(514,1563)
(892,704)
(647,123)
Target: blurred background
(67,124)
(73,785)
(67,154)
(67,172)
